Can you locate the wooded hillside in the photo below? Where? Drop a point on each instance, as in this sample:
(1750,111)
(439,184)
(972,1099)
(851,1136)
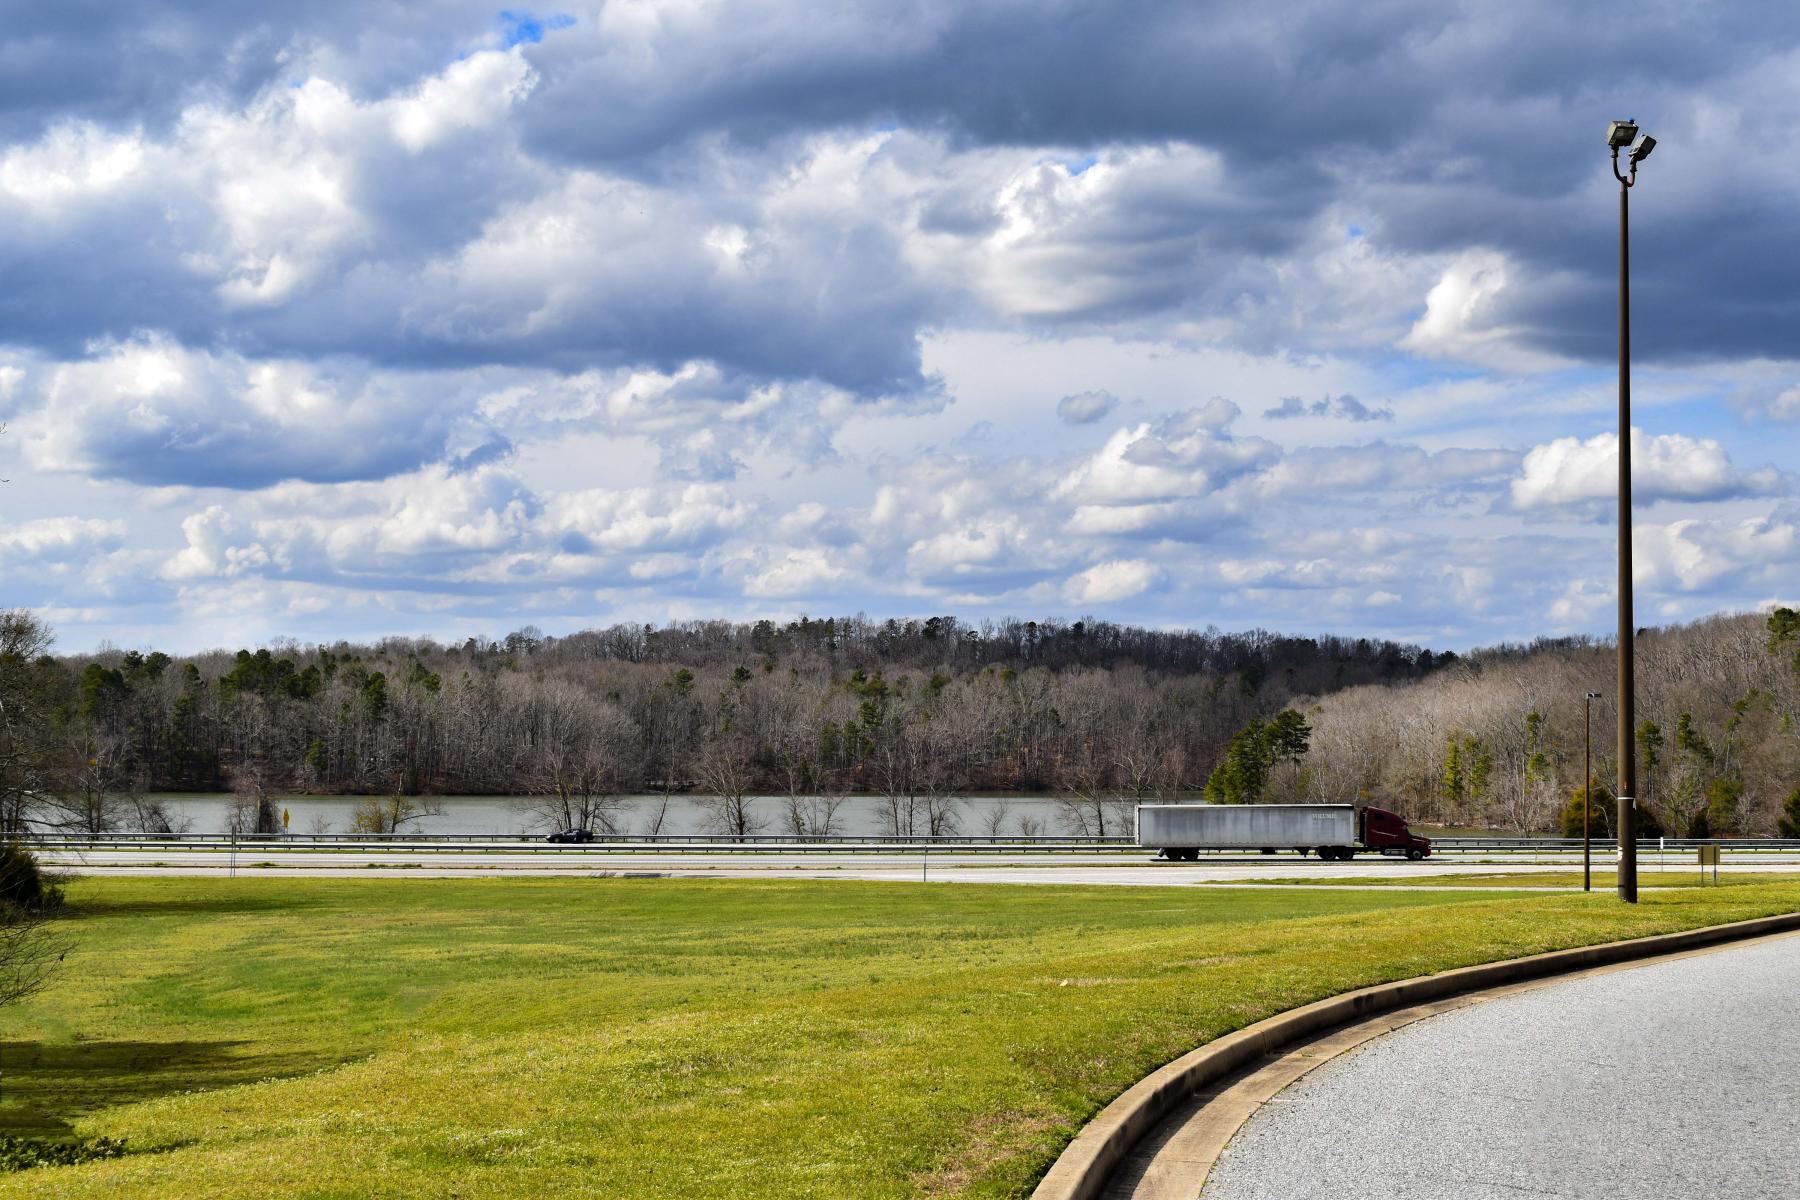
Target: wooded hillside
(914,711)
(1496,738)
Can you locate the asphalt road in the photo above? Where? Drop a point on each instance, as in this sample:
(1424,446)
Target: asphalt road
(1677,1080)
(1069,868)
(1131,867)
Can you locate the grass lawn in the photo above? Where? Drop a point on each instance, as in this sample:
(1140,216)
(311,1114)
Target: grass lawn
(1512,881)
(638,1038)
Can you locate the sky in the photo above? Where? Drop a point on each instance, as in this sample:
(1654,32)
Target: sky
(344,320)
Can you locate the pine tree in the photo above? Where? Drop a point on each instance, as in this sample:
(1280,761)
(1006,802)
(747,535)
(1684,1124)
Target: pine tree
(1722,805)
(1481,768)
(1649,747)
(1788,825)
(1784,630)
(1451,783)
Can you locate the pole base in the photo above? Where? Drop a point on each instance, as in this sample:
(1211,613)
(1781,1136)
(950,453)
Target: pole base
(1628,883)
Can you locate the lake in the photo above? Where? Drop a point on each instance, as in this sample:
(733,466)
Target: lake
(209,812)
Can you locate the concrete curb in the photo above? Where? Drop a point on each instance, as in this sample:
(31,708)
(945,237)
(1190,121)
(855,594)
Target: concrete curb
(1081,1171)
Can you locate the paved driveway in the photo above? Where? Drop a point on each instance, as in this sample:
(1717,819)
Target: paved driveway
(1677,1080)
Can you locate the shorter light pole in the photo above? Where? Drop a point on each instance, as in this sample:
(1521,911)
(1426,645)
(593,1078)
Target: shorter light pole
(1587,796)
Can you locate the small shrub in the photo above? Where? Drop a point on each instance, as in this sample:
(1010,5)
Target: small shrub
(1600,805)
(23,884)
(23,1153)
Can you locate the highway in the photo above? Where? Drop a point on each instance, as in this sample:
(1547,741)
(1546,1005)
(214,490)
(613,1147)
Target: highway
(1129,867)
(1677,1079)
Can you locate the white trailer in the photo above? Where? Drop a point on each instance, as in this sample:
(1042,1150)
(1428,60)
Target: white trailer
(1332,831)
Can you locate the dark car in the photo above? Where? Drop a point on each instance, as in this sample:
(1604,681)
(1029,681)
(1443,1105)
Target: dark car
(571,836)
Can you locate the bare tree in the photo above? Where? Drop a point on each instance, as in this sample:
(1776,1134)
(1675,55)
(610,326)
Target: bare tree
(252,806)
(29,951)
(993,821)
(658,816)
(578,756)
(90,800)
(31,754)
(725,781)
(393,812)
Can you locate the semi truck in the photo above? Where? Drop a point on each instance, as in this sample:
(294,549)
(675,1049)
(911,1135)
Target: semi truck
(1335,832)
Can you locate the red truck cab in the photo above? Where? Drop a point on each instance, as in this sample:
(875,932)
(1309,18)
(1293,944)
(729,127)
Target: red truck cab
(1387,832)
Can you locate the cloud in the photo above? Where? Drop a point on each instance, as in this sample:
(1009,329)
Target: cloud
(371,314)
(805,572)
(641,519)
(1201,169)
(1084,408)
(1324,471)
(1184,454)
(151,411)
(1570,471)
(1696,555)
(1345,407)
(59,540)
(1110,582)
(481,530)
(213,549)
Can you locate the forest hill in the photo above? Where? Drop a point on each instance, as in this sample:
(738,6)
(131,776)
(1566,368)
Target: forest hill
(1097,712)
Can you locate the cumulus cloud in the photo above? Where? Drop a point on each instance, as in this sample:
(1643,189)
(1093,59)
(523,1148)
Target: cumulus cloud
(441,530)
(1109,582)
(1184,454)
(152,411)
(1084,408)
(396,286)
(1570,471)
(214,549)
(1696,555)
(802,572)
(59,539)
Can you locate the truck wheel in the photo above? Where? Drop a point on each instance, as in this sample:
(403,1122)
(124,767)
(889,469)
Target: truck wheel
(1414,854)
(1267,850)
(1346,855)
(1326,854)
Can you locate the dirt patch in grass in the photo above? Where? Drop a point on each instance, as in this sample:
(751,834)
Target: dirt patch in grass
(993,1141)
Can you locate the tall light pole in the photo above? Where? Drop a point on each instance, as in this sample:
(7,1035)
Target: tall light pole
(1587,794)
(1619,135)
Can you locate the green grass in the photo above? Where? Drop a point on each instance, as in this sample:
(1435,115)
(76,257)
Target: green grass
(638,1038)
(1686,877)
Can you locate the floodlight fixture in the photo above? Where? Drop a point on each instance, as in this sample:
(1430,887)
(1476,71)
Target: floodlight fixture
(1643,150)
(1621,134)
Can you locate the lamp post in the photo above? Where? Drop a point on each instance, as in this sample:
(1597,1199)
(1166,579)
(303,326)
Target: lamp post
(1619,135)
(1587,794)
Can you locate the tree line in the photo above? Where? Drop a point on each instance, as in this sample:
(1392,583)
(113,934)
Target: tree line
(913,713)
(1498,738)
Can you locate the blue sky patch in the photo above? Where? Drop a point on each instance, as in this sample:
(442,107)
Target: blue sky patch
(524,29)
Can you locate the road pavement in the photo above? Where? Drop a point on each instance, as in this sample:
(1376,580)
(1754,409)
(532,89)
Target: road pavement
(1132,867)
(1129,868)
(1680,1079)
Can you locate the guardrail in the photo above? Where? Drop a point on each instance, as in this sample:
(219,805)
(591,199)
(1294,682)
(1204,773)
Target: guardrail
(1607,845)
